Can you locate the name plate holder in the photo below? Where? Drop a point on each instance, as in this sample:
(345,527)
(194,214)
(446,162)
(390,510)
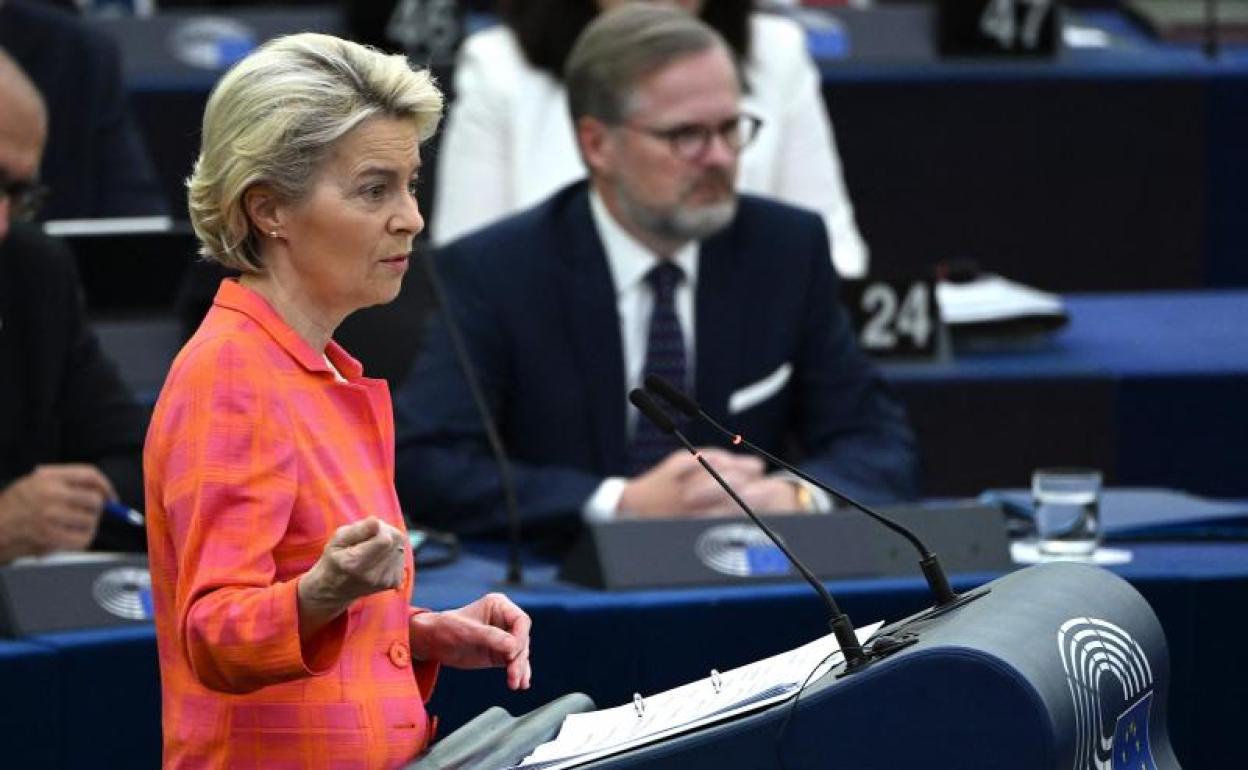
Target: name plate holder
(654,553)
(999,28)
(74,591)
(897,319)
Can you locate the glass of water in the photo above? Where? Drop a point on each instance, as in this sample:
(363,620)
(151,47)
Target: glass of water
(1067,506)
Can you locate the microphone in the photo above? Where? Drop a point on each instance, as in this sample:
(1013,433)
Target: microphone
(842,629)
(1212,43)
(933,573)
(515,571)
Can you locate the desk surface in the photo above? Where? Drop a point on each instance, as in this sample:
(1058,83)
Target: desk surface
(612,644)
(888,42)
(896,42)
(1139,335)
(1144,334)
(1149,387)
(484,570)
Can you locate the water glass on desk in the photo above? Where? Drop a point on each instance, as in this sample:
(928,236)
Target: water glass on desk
(1067,510)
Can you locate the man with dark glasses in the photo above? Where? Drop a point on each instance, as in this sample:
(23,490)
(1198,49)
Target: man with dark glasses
(70,433)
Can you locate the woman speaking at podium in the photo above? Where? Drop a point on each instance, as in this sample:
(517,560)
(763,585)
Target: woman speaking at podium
(280,569)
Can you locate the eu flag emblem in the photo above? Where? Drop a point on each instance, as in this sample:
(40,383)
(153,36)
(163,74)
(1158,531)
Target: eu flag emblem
(766,560)
(1131,749)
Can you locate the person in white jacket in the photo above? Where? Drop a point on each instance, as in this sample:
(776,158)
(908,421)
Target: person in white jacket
(509,141)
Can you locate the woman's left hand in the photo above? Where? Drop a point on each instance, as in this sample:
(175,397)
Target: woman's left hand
(492,631)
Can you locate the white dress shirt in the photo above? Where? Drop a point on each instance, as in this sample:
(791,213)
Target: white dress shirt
(629,262)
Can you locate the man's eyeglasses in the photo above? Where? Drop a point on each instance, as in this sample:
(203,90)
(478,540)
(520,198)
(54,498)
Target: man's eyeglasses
(25,196)
(691,141)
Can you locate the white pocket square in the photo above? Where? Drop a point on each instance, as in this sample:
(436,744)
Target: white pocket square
(756,393)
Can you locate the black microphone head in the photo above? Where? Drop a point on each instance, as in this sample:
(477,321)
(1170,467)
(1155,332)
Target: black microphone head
(651,410)
(677,398)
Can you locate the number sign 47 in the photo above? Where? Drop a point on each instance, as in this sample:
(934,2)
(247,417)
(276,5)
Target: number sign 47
(1014,23)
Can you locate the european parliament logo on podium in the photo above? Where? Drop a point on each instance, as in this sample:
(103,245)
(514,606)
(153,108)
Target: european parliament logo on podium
(1110,679)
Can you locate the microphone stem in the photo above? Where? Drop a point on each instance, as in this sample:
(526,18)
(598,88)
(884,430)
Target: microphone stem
(933,573)
(515,571)
(838,622)
(737,438)
(1211,29)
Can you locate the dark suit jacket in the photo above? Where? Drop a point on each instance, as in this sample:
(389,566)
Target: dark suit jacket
(61,400)
(537,305)
(95,160)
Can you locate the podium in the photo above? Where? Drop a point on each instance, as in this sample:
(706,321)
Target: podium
(1058,666)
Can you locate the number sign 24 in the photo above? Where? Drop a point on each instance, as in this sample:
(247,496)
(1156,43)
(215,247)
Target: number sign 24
(894,318)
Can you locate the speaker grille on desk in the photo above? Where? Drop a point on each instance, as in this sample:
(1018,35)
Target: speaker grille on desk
(74,592)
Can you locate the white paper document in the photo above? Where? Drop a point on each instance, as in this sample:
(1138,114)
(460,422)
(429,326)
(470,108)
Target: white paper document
(993,298)
(586,737)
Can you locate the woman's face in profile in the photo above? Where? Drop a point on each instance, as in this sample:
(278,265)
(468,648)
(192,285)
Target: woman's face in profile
(692,6)
(349,239)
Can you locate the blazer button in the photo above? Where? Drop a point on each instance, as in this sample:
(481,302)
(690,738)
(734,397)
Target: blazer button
(399,655)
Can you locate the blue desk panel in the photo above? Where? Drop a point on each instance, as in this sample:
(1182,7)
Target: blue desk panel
(109,694)
(1152,388)
(1144,335)
(30,702)
(611,645)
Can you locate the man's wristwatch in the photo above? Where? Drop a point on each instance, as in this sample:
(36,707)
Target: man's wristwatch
(805,500)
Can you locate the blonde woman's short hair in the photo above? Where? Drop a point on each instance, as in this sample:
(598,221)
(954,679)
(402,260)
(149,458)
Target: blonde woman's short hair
(275,117)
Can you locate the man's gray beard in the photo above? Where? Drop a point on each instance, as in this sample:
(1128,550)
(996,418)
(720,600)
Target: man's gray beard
(678,224)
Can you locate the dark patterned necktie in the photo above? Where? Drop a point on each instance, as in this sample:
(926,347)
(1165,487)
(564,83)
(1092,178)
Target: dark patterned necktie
(665,357)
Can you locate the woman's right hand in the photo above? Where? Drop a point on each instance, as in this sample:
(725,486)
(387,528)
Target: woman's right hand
(360,559)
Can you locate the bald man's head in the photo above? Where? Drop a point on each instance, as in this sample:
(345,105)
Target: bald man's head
(23,129)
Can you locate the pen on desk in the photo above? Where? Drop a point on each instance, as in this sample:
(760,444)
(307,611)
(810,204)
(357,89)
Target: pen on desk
(123,512)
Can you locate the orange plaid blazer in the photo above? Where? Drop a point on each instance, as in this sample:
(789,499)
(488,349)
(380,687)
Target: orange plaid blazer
(255,454)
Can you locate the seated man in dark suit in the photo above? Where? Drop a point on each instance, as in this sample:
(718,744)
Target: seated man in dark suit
(96,163)
(70,433)
(654,265)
